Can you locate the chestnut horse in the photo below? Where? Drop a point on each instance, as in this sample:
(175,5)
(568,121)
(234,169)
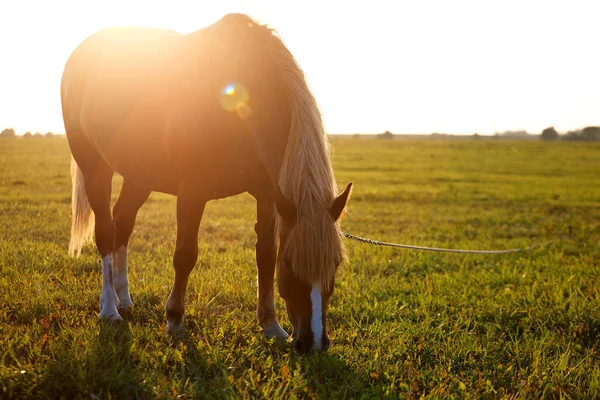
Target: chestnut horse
(206,115)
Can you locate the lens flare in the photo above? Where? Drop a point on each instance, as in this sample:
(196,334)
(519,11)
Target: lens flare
(234,97)
(230,90)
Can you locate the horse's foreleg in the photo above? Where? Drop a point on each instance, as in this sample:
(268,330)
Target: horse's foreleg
(125,210)
(265,260)
(189,214)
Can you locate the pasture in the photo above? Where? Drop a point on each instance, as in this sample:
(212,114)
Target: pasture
(402,323)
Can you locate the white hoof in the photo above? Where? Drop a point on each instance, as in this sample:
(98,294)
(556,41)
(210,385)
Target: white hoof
(125,303)
(110,315)
(108,306)
(275,331)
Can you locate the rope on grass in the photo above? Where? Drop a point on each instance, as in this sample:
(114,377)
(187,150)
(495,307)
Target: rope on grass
(424,248)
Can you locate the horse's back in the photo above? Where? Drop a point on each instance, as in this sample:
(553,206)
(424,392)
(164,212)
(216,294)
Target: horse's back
(115,90)
(113,65)
(148,101)
(112,49)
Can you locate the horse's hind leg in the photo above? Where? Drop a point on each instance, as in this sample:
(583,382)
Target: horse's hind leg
(98,182)
(265,260)
(125,211)
(97,179)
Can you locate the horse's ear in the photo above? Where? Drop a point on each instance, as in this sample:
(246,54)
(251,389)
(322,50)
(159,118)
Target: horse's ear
(337,208)
(285,207)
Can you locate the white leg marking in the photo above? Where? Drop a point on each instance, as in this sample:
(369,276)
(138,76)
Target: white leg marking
(121,280)
(108,299)
(316,321)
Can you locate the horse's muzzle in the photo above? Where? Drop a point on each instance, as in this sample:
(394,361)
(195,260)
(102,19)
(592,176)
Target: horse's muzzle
(306,345)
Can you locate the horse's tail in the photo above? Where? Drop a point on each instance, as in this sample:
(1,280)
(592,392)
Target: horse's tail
(82,225)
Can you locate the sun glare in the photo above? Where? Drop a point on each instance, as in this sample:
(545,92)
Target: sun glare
(230,90)
(235,97)
(501,66)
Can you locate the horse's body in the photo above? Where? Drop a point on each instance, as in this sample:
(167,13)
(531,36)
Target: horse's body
(129,96)
(146,104)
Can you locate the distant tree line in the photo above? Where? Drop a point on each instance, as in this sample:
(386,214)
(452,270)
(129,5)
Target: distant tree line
(10,133)
(587,134)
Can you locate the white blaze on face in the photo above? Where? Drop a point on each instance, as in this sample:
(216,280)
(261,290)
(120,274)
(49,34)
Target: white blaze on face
(316,321)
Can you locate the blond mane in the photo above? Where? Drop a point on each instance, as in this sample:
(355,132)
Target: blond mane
(314,246)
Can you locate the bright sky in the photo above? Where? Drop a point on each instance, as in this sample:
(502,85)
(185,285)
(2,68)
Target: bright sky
(405,66)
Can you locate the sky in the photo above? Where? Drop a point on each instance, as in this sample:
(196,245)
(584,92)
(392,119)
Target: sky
(459,67)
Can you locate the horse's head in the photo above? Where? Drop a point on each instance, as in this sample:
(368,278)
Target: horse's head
(310,251)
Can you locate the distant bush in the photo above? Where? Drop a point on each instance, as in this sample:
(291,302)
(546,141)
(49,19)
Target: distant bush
(8,133)
(386,135)
(549,134)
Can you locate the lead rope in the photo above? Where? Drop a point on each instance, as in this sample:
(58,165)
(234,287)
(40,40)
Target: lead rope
(412,247)
(423,248)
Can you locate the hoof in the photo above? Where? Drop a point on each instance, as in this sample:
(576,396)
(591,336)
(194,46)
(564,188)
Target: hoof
(275,331)
(125,303)
(175,328)
(174,321)
(175,331)
(113,316)
(126,311)
(108,306)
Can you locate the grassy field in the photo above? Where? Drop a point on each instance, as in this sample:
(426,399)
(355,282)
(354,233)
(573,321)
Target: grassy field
(402,323)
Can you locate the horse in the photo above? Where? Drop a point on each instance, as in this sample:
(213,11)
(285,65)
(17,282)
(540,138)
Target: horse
(217,112)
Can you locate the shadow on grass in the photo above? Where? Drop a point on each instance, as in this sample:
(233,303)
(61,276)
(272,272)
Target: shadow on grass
(325,375)
(252,368)
(204,373)
(104,369)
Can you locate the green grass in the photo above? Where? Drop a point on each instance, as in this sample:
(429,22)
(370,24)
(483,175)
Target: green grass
(402,323)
